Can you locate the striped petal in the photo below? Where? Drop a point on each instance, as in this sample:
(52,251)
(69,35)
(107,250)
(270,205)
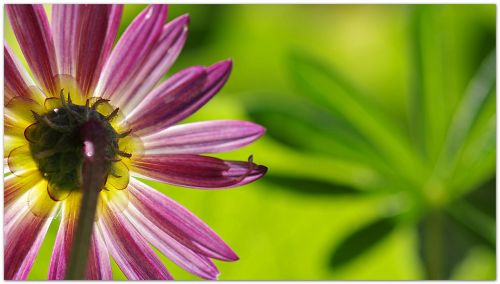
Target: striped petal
(83,36)
(189,260)
(203,137)
(17,79)
(179,97)
(129,249)
(99,265)
(130,51)
(155,64)
(24,235)
(32,30)
(196,171)
(178,223)
(15,187)
(62,246)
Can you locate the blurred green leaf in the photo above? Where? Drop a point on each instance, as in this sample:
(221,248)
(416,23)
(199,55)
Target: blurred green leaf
(326,87)
(474,221)
(478,98)
(309,186)
(484,198)
(429,108)
(361,240)
(301,125)
(444,243)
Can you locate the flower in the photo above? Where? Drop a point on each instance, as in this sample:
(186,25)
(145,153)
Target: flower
(79,77)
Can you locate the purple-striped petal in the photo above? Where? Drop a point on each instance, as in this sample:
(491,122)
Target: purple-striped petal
(98,266)
(155,64)
(64,239)
(179,97)
(196,171)
(24,235)
(17,79)
(130,51)
(83,37)
(203,137)
(129,249)
(165,101)
(32,30)
(189,260)
(178,222)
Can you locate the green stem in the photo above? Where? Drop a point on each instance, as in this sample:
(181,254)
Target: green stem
(94,174)
(433,248)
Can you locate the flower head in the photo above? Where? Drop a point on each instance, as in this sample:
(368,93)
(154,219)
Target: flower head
(81,86)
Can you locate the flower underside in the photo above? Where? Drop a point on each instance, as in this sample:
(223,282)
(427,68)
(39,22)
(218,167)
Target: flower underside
(57,146)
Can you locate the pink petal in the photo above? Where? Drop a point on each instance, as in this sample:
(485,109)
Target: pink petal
(83,36)
(196,171)
(64,239)
(135,43)
(165,101)
(178,223)
(155,64)
(32,30)
(174,102)
(99,266)
(17,79)
(129,249)
(189,260)
(203,137)
(23,239)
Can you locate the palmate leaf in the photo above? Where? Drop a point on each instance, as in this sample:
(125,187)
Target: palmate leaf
(326,87)
(440,50)
(305,127)
(361,240)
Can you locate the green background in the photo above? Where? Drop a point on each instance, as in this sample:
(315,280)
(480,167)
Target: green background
(358,101)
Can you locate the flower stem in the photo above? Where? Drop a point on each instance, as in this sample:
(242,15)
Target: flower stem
(94,172)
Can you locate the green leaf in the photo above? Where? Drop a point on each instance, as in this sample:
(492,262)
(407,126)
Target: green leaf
(478,99)
(477,223)
(324,86)
(361,240)
(443,244)
(310,186)
(429,107)
(305,127)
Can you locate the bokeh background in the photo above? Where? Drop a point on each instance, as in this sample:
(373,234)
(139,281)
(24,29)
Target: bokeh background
(380,142)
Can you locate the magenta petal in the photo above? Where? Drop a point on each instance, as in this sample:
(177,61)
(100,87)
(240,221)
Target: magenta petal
(167,100)
(129,249)
(23,239)
(17,79)
(189,260)
(178,222)
(155,65)
(128,54)
(196,171)
(32,30)
(98,266)
(83,36)
(203,137)
(175,106)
